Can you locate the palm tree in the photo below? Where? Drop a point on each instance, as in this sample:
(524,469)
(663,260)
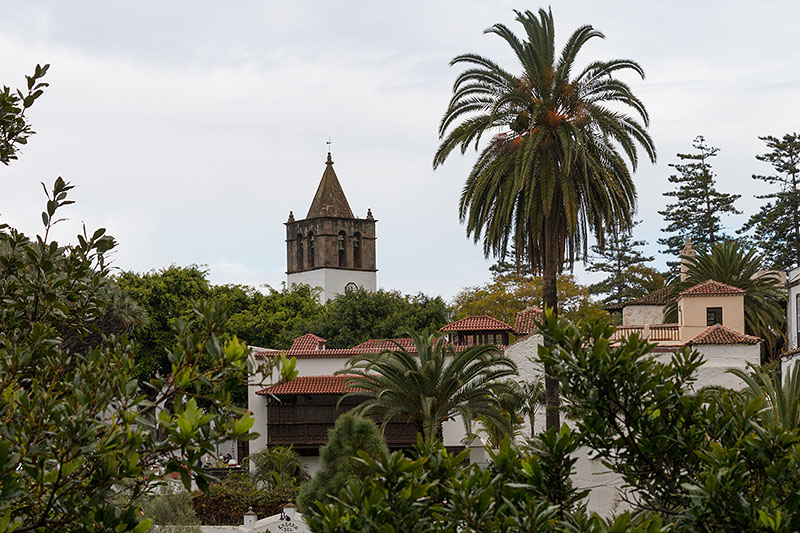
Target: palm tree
(534,397)
(728,262)
(556,167)
(781,397)
(432,385)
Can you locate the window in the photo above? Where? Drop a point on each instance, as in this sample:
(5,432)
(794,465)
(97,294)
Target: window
(300,264)
(357,250)
(310,249)
(341,249)
(713,316)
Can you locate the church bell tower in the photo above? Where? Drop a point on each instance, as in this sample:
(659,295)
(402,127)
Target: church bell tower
(331,248)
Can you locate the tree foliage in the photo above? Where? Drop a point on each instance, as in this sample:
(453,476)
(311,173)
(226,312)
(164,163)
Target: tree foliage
(432,385)
(699,207)
(507,294)
(702,460)
(627,275)
(352,435)
(359,314)
(14,126)
(524,490)
(775,229)
(76,428)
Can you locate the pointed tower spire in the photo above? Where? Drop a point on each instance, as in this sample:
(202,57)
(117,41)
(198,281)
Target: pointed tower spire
(329,201)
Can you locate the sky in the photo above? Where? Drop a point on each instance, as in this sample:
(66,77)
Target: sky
(191,129)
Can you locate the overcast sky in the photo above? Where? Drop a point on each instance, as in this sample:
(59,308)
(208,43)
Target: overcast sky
(192,128)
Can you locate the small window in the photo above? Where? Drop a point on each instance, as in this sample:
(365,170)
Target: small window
(310,250)
(713,316)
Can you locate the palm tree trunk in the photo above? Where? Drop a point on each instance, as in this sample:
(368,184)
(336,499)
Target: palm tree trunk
(550,300)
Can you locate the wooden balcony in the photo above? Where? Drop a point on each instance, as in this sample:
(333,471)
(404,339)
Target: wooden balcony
(303,421)
(652,332)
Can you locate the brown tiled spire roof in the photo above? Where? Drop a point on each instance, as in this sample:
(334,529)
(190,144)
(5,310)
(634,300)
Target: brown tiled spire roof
(712,288)
(477,323)
(330,200)
(719,334)
(523,322)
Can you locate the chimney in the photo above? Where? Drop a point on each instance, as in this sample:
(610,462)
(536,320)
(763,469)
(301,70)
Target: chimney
(687,258)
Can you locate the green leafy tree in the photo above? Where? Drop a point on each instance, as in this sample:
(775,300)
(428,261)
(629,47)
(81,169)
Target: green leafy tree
(701,460)
(358,315)
(526,490)
(775,229)
(78,439)
(557,166)
(765,298)
(435,384)
(166,295)
(699,206)
(506,294)
(14,126)
(339,458)
(171,510)
(627,275)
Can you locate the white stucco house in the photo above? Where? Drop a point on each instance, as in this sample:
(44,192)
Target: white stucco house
(792,355)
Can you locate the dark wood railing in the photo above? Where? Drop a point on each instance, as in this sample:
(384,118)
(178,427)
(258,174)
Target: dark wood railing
(653,332)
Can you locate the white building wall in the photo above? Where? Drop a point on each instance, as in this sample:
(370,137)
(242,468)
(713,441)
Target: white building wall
(640,315)
(332,281)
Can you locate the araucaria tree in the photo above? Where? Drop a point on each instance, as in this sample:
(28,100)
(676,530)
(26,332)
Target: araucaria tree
(432,386)
(699,206)
(558,165)
(776,227)
(627,274)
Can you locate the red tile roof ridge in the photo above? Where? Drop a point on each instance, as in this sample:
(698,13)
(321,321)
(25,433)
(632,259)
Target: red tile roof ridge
(719,334)
(712,288)
(477,323)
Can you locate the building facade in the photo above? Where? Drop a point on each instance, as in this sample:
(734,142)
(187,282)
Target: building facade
(331,248)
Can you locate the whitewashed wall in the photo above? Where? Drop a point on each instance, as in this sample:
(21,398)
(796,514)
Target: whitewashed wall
(332,281)
(639,315)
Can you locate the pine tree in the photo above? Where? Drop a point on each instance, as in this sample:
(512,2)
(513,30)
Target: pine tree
(776,227)
(627,274)
(699,207)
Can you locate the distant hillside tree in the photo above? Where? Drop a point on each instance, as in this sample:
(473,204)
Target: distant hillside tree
(699,206)
(506,294)
(628,275)
(776,227)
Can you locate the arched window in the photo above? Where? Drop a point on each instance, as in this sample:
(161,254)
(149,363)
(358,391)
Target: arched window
(310,249)
(357,250)
(300,264)
(341,249)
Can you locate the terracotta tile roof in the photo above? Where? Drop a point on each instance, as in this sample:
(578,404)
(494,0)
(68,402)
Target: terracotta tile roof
(477,323)
(379,345)
(712,288)
(308,385)
(719,334)
(523,322)
(658,297)
(309,341)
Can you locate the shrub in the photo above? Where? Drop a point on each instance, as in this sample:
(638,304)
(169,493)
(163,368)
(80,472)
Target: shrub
(340,464)
(172,511)
(226,503)
(277,467)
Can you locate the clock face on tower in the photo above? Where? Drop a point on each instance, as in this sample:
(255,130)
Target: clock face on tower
(350,287)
